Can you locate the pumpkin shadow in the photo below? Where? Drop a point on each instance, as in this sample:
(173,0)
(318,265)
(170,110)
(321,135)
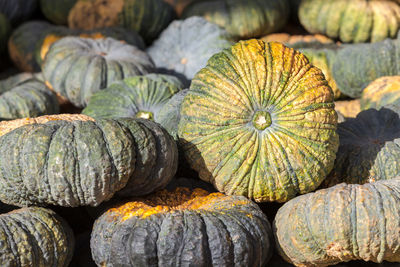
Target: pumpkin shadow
(186,82)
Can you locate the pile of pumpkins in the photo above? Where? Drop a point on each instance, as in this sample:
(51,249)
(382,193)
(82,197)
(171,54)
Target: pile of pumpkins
(193,133)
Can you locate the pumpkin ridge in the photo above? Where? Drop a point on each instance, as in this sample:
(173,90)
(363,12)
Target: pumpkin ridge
(382,223)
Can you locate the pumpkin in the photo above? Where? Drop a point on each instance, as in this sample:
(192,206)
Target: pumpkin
(341,223)
(72,160)
(78,67)
(4,32)
(35,237)
(57,10)
(193,40)
(351,21)
(381,92)
(242,19)
(181,228)
(289,39)
(30,42)
(21,97)
(369,148)
(259,121)
(348,108)
(147,17)
(18,10)
(179,5)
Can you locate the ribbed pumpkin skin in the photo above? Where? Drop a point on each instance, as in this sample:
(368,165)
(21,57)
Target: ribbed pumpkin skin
(29,98)
(381,92)
(73,161)
(369,148)
(57,10)
(351,21)
(35,237)
(135,97)
(183,228)
(76,67)
(18,10)
(242,19)
(193,40)
(341,223)
(259,121)
(147,17)
(4,32)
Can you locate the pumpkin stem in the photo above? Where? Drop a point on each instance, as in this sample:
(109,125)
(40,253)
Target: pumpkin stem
(145,115)
(261,120)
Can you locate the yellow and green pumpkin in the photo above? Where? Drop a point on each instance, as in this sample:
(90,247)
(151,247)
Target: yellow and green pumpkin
(381,92)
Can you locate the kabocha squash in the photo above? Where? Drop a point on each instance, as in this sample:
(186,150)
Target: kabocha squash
(242,19)
(147,17)
(181,228)
(349,108)
(259,121)
(369,148)
(30,42)
(78,67)
(72,160)
(179,5)
(135,97)
(351,21)
(4,32)
(35,237)
(18,10)
(57,10)
(193,41)
(21,97)
(381,92)
(289,40)
(341,223)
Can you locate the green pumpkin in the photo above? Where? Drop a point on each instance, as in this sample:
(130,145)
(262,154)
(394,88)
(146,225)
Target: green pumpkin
(351,21)
(72,160)
(381,92)
(76,68)
(57,10)
(341,223)
(183,227)
(369,148)
(4,32)
(147,17)
(193,40)
(18,11)
(35,237)
(259,121)
(242,19)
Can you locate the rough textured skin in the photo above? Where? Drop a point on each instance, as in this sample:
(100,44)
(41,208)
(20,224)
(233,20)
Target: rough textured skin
(79,161)
(35,237)
(18,10)
(77,67)
(349,108)
(27,98)
(57,10)
(369,148)
(135,97)
(381,92)
(31,41)
(4,32)
(242,19)
(341,223)
(352,21)
(193,41)
(183,228)
(147,17)
(288,39)
(259,121)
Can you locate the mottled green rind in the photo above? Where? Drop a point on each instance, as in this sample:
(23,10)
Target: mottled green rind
(83,162)
(78,67)
(57,10)
(381,92)
(351,21)
(35,237)
(4,32)
(341,223)
(18,11)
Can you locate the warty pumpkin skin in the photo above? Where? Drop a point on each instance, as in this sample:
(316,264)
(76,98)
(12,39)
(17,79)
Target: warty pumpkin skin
(259,121)
(351,21)
(76,68)
(18,10)
(57,10)
(381,92)
(183,228)
(35,237)
(341,223)
(147,17)
(193,41)
(72,160)
(242,19)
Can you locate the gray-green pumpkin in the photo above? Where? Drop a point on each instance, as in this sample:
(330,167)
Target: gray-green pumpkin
(72,160)
(78,67)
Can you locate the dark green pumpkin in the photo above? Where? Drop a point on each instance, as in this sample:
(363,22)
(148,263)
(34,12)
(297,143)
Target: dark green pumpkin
(259,121)
(57,10)
(18,10)
(4,32)
(76,67)
(35,237)
(381,92)
(341,223)
(242,19)
(147,17)
(183,228)
(72,160)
